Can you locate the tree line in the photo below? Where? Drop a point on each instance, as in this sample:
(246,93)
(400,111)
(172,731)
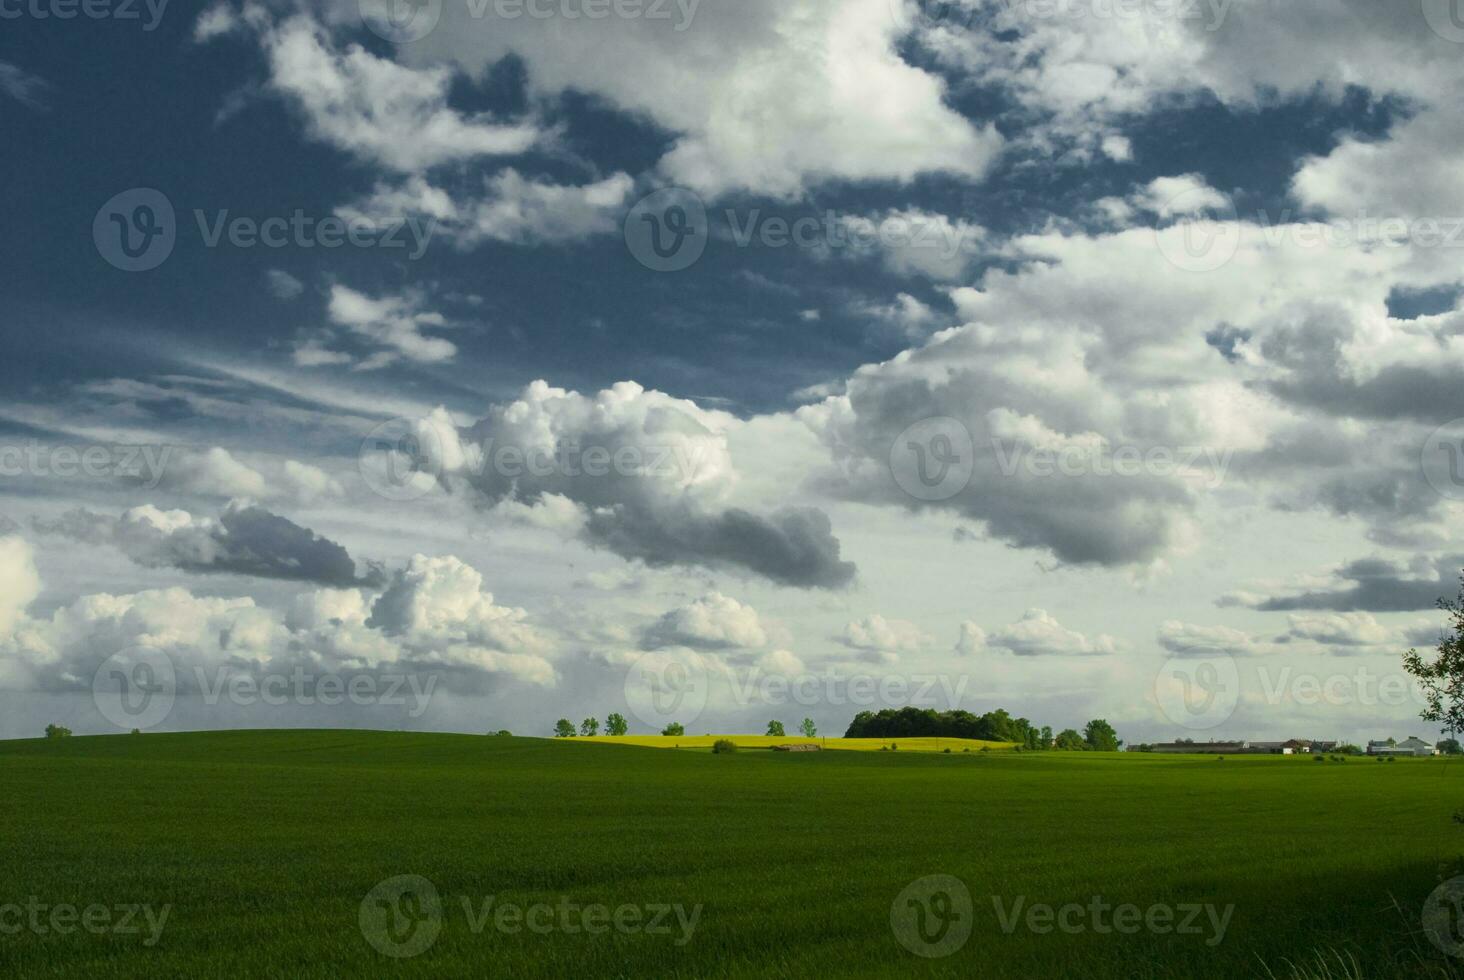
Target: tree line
(994,726)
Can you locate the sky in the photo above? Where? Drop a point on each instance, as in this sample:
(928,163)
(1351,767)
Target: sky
(463,365)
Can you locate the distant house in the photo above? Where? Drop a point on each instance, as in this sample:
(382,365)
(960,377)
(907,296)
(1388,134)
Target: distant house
(1411,747)
(1295,746)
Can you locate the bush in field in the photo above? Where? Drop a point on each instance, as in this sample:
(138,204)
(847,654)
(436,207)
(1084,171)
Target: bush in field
(1319,758)
(723,745)
(675,728)
(56,731)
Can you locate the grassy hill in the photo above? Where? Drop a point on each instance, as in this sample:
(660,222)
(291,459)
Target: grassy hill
(266,845)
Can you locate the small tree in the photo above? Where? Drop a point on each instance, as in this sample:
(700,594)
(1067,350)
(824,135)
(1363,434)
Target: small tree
(1070,741)
(589,727)
(1450,746)
(615,724)
(564,728)
(808,728)
(56,731)
(1101,737)
(723,745)
(776,728)
(675,728)
(1442,678)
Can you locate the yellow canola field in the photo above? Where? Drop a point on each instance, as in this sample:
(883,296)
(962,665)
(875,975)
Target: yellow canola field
(832,744)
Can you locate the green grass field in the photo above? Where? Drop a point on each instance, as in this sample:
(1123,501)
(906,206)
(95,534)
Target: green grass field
(264,846)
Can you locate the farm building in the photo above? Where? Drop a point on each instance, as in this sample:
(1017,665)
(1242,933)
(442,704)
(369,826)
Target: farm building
(1408,747)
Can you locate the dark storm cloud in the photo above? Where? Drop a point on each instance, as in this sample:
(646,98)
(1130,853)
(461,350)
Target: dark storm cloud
(1375,585)
(245,540)
(794,547)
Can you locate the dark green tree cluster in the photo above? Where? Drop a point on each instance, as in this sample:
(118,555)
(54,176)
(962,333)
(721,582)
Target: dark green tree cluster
(994,726)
